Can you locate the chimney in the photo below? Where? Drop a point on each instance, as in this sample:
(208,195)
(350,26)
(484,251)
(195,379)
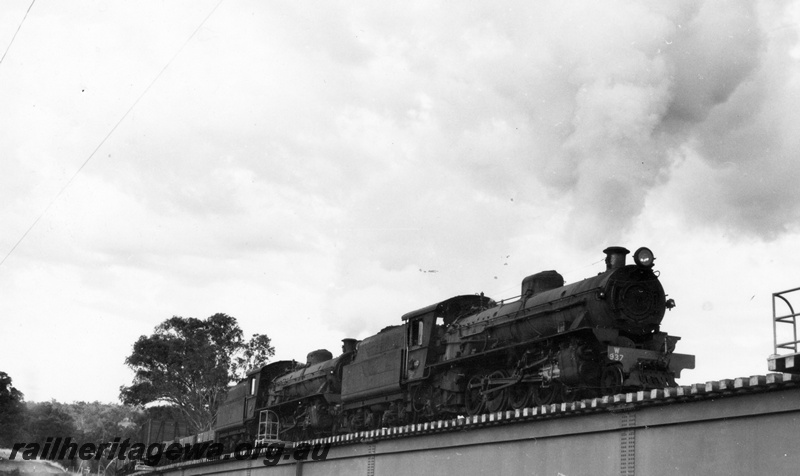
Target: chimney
(615,257)
(349,345)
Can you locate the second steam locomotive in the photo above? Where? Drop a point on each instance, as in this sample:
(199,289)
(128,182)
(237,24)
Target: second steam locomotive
(469,354)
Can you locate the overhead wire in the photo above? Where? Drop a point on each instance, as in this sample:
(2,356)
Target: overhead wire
(133,105)
(15,33)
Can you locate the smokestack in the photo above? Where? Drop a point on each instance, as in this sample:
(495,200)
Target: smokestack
(615,257)
(349,345)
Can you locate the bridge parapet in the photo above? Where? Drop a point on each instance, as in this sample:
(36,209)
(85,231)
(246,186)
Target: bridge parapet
(732,426)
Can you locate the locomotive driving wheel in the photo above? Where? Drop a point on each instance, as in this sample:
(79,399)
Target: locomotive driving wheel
(520,395)
(495,401)
(423,398)
(545,395)
(473,397)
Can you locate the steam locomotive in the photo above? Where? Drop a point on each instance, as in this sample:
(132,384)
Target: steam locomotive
(469,354)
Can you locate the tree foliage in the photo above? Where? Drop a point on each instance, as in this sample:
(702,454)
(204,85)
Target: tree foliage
(36,422)
(254,353)
(98,422)
(12,411)
(189,363)
(48,420)
(82,422)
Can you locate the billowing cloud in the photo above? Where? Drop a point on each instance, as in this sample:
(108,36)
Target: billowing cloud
(747,146)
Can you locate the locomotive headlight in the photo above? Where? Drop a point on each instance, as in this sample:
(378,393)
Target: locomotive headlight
(644,257)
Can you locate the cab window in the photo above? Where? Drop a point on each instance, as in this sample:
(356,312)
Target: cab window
(416,333)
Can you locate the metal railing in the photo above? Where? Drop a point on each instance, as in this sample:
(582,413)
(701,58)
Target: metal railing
(790,321)
(268,427)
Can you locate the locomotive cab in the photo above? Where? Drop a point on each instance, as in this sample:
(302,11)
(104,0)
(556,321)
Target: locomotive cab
(426,327)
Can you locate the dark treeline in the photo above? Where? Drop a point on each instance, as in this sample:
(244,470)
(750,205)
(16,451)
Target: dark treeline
(83,422)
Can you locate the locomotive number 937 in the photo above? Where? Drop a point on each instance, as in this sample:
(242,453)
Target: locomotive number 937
(469,354)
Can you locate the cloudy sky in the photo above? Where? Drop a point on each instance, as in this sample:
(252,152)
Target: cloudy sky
(318,169)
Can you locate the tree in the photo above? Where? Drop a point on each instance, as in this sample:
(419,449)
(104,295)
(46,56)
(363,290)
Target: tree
(12,412)
(255,353)
(97,423)
(47,419)
(189,363)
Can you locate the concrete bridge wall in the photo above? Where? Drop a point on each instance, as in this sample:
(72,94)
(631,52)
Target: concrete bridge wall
(716,429)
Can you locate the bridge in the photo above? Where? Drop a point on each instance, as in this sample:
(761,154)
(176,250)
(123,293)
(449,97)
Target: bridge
(738,426)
